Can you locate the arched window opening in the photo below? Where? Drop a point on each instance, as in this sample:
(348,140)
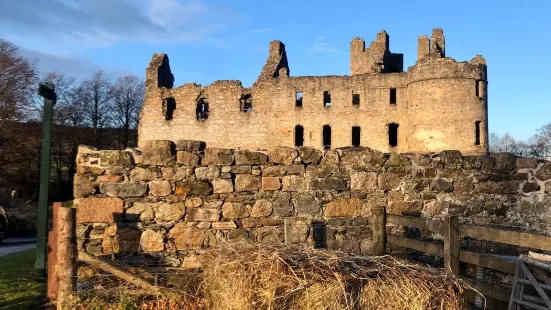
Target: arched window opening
(393,134)
(246,103)
(202,109)
(299,135)
(327,137)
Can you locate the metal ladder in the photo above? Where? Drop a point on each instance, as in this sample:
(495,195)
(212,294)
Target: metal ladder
(529,271)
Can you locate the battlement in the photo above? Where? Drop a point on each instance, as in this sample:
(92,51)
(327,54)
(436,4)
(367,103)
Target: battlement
(437,104)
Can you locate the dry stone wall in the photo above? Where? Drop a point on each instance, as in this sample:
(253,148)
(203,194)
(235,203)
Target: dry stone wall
(173,200)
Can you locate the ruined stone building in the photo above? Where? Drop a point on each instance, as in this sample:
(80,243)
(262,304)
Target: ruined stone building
(437,104)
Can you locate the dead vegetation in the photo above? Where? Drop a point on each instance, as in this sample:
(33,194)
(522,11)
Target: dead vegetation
(247,276)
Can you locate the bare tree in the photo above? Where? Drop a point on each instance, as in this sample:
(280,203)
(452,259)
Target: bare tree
(128,94)
(97,96)
(17,82)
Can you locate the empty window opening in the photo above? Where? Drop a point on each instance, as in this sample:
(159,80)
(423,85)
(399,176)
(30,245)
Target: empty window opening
(373,56)
(246,103)
(319,234)
(477,133)
(356,132)
(202,109)
(299,135)
(393,96)
(326,99)
(169,109)
(298,99)
(327,137)
(479,89)
(355,99)
(393,134)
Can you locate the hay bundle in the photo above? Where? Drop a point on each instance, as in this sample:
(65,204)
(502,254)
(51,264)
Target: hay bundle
(247,276)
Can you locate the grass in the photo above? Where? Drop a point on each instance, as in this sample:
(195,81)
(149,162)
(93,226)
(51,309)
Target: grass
(20,286)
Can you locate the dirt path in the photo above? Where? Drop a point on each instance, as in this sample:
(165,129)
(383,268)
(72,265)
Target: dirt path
(14,245)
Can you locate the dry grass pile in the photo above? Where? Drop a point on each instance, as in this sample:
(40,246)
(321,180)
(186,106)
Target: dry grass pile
(246,276)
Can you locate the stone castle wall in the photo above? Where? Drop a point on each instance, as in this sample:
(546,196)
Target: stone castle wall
(169,199)
(439,103)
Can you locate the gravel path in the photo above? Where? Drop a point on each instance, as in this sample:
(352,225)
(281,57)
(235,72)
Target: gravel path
(14,245)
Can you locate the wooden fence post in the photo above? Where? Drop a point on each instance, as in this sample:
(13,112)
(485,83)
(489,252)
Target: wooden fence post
(451,244)
(66,256)
(378,226)
(52,254)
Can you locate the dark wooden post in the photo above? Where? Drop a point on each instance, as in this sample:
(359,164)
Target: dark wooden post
(52,254)
(66,255)
(451,245)
(378,226)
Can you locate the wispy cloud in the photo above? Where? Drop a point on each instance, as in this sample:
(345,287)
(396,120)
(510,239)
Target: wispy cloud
(320,46)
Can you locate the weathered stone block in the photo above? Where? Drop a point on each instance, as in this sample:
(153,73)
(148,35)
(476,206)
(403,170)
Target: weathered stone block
(282,207)
(270,184)
(505,161)
(190,145)
(294,183)
(207,173)
(110,178)
(140,212)
(272,222)
(160,188)
(152,241)
(283,155)
(234,210)
(363,181)
(337,184)
(251,222)
(187,158)
(123,190)
(193,202)
(83,186)
(343,208)
(219,157)
(262,208)
(331,158)
(305,204)
(526,163)
(388,181)
(247,183)
(531,187)
(544,172)
(186,237)
(121,240)
(294,170)
(221,186)
(273,171)
(192,188)
(399,207)
(441,185)
(98,210)
(166,212)
(243,157)
(398,160)
(451,159)
(270,235)
(472,162)
(144,174)
(157,152)
(310,155)
(299,232)
(224,225)
(237,169)
(115,158)
(203,214)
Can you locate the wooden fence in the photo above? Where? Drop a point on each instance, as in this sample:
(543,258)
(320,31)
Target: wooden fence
(454,257)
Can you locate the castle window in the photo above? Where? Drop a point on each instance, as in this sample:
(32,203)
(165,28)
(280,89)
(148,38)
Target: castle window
(356,132)
(393,134)
(477,133)
(246,103)
(373,56)
(355,99)
(299,135)
(298,99)
(478,88)
(202,109)
(326,99)
(170,107)
(326,137)
(393,96)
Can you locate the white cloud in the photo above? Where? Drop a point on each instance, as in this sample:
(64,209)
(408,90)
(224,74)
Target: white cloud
(320,46)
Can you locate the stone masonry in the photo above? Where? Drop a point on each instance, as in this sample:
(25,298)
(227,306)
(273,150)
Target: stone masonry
(173,200)
(437,104)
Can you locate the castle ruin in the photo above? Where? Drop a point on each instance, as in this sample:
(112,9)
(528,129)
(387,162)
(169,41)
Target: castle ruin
(437,104)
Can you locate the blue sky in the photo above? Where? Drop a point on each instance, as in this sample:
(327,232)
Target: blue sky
(209,40)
